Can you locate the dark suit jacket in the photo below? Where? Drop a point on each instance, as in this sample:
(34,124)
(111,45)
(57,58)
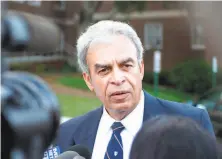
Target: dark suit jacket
(82,130)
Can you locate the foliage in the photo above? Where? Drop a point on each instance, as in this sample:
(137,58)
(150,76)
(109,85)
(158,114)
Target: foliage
(163,78)
(148,77)
(192,76)
(219,77)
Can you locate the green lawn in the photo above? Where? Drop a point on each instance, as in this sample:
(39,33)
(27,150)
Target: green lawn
(75,82)
(168,93)
(74,105)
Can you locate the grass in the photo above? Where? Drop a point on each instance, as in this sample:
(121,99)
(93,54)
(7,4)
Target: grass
(163,92)
(74,82)
(168,93)
(74,105)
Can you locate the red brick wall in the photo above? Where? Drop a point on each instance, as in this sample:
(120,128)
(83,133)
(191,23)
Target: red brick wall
(176,42)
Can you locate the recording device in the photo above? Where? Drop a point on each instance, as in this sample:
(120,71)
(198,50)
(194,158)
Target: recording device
(30,113)
(76,152)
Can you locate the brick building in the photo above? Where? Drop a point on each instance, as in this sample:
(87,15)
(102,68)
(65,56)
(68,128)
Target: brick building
(166,26)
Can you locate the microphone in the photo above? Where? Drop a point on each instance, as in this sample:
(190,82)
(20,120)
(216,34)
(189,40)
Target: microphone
(79,157)
(30,115)
(22,31)
(81,150)
(68,155)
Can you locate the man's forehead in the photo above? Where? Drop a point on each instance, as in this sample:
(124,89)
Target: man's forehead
(119,42)
(111,52)
(118,60)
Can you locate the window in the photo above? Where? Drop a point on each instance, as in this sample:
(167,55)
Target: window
(197,36)
(153,36)
(35,3)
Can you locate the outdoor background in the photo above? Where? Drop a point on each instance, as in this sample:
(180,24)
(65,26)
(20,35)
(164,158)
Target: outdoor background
(186,33)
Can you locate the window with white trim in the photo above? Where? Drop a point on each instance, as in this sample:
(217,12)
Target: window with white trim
(153,36)
(197,36)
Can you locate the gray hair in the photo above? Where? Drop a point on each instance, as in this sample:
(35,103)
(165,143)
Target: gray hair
(102,30)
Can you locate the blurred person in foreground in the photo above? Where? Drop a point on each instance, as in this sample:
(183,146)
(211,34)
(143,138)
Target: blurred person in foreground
(174,137)
(110,55)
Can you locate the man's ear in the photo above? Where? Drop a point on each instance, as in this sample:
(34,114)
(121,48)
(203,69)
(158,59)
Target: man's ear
(141,64)
(88,81)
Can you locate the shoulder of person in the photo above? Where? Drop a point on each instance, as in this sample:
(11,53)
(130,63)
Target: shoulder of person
(68,129)
(200,115)
(72,124)
(180,108)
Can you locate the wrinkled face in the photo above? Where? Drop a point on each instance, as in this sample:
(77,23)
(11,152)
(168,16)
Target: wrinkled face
(115,75)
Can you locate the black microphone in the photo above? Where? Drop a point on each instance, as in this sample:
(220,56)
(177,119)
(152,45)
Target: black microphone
(81,150)
(68,155)
(22,31)
(30,115)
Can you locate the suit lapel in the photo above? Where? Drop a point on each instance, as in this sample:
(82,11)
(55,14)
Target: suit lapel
(86,134)
(151,106)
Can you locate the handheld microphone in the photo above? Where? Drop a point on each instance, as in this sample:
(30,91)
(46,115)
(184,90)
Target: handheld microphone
(68,155)
(78,157)
(22,31)
(81,150)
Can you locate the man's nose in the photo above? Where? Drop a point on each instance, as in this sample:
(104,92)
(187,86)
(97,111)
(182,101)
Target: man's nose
(117,77)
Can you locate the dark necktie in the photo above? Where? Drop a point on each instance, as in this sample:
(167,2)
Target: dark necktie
(115,146)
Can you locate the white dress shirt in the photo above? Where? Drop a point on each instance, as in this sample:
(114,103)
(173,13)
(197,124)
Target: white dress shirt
(132,124)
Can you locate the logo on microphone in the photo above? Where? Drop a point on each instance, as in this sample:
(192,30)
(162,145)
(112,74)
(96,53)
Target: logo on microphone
(52,153)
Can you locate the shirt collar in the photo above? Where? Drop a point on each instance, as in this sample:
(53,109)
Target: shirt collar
(131,122)
(134,120)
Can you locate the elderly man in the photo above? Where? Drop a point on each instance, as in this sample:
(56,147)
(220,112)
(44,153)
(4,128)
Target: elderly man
(110,55)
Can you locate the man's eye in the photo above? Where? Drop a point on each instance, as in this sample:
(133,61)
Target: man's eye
(127,66)
(103,71)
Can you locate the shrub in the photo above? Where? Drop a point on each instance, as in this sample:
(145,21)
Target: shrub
(219,77)
(193,76)
(163,78)
(148,77)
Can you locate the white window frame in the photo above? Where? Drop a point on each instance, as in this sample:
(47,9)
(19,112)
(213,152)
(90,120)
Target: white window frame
(150,36)
(197,36)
